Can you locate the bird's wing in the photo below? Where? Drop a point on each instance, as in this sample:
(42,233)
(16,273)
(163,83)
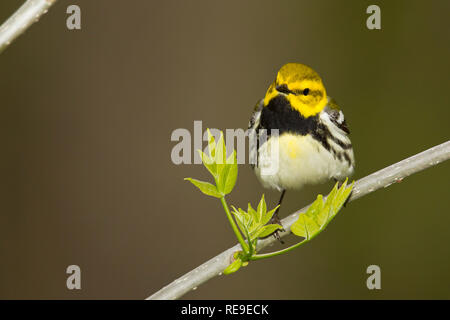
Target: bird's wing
(336,116)
(256,116)
(253,128)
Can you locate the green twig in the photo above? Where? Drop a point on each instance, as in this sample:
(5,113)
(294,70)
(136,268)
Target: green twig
(238,234)
(277,253)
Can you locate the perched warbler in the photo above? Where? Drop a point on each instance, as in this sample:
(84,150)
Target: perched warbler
(312,145)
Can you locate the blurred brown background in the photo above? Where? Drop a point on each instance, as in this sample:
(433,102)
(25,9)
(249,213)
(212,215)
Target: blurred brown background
(86,120)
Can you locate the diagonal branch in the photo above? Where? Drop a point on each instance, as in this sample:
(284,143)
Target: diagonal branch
(22,19)
(380,179)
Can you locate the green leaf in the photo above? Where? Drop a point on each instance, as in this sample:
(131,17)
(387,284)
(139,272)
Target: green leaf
(211,144)
(269,215)
(324,215)
(305,227)
(228,175)
(261,210)
(316,211)
(208,163)
(221,154)
(267,230)
(251,211)
(240,219)
(205,187)
(342,196)
(233,267)
(320,213)
(232,173)
(222,178)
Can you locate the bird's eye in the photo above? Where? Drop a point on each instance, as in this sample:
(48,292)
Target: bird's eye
(283,89)
(305,91)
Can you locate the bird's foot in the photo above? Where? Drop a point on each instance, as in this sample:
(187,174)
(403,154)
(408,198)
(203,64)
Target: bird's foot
(276,234)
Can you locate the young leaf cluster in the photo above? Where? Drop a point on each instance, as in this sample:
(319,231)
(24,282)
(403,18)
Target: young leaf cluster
(224,170)
(253,223)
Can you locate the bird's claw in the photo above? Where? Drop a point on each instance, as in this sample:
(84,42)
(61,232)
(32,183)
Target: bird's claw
(276,220)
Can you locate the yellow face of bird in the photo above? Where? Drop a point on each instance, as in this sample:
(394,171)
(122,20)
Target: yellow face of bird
(301,86)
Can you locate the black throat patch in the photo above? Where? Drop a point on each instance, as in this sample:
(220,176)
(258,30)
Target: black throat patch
(278,114)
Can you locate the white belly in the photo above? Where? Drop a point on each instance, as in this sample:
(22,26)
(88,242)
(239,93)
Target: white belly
(300,160)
